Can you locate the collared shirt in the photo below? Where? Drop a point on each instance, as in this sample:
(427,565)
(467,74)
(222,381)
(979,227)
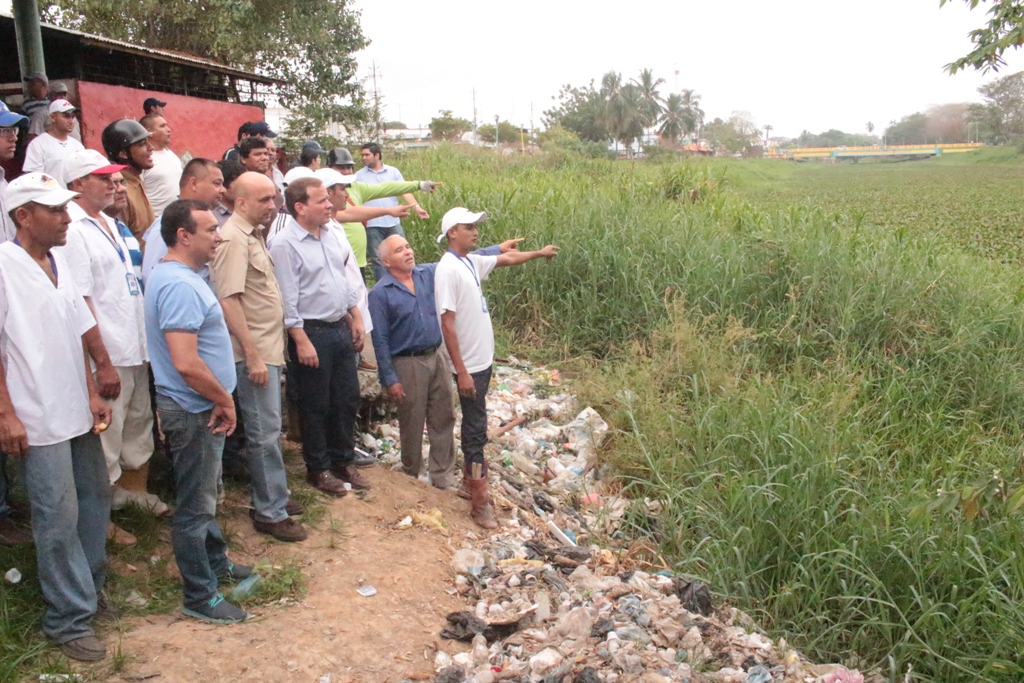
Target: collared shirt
(243,266)
(47,154)
(100,263)
(41,328)
(371,177)
(311,273)
(138,216)
(8,231)
(359,194)
(404,321)
(161,181)
(457,288)
(222,214)
(178,300)
(38,113)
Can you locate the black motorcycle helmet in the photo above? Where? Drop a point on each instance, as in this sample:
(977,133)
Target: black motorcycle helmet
(120,135)
(339,156)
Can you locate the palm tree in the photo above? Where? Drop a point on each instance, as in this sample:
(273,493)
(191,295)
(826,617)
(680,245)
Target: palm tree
(672,118)
(694,115)
(651,98)
(634,120)
(619,105)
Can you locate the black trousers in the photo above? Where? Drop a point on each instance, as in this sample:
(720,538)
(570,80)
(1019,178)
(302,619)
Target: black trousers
(474,419)
(327,398)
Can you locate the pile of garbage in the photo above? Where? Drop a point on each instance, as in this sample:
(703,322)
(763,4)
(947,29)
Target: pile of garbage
(549,604)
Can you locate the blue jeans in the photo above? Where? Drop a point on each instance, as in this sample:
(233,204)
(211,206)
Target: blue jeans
(374,236)
(69,493)
(261,409)
(5,508)
(199,547)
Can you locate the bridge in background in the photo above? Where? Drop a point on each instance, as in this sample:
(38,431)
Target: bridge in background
(890,151)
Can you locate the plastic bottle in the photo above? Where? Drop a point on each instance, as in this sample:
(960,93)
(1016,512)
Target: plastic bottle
(480,652)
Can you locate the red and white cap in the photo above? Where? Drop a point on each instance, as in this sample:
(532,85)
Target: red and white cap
(88,162)
(458,216)
(39,188)
(61,106)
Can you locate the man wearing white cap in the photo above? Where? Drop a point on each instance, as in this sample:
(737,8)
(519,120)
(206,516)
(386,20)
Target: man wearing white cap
(59,91)
(11,533)
(469,339)
(47,152)
(101,266)
(51,411)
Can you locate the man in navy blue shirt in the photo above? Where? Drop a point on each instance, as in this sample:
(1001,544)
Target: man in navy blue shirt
(407,341)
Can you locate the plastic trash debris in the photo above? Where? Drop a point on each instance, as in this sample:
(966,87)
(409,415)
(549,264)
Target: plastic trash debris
(60,678)
(243,589)
(544,661)
(758,674)
(326,678)
(480,655)
(135,598)
(366,590)
(468,561)
(574,624)
(841,675)
(405,522)
(13,575)
(451,674)
(442,660)
(432,518)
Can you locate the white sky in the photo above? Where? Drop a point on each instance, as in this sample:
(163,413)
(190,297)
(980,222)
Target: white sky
(794,64)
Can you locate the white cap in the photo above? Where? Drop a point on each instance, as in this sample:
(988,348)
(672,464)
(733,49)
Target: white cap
(298,172)
(458,216)
(330,177)
(61,106)
(87,162)
(36,187)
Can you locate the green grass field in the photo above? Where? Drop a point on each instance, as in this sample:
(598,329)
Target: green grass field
(795,361)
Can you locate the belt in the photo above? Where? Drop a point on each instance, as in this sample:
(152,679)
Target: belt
(422,351)
(323,324)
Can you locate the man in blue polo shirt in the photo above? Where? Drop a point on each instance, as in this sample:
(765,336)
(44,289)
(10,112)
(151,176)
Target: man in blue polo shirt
(379,229)
(407,340)
(194,370)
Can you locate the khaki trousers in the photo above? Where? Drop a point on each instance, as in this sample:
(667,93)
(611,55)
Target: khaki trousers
(128,441)
(428,398)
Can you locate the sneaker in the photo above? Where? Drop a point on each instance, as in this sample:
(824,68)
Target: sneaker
(217,611)
(84,649)
(287,530)
(328,483)
(12,533)
(353,476)
(237,572)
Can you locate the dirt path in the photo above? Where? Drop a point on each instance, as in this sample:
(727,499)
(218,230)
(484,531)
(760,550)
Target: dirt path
(333,630)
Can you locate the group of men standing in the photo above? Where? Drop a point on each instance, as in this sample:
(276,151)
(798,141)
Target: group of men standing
(108,291)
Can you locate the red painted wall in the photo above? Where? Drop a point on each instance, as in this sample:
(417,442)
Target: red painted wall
(200,127)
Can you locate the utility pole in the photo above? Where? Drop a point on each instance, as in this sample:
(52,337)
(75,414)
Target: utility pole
(28,37)
(531,118)
(474,115)
(496,139)
(376,105)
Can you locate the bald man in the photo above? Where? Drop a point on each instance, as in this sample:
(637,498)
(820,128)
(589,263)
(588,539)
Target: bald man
(410,363)
(242,275)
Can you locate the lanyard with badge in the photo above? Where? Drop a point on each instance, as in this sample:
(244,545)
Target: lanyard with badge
(472,270)
(53,263)
(129,276)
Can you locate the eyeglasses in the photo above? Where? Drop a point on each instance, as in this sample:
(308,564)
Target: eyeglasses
(9,132)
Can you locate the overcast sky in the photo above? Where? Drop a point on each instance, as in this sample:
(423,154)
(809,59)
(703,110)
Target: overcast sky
(794,64)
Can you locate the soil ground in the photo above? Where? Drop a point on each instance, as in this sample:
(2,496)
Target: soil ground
(332,629)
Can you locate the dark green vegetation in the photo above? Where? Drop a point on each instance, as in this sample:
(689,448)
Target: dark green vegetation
(794,357)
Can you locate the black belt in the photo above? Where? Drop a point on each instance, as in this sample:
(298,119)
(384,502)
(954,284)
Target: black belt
(422,351)
(323,324)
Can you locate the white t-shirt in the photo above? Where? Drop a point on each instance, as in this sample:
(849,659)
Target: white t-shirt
(95,260)
(161,181)
(47,154)
(457,288)
(41,329)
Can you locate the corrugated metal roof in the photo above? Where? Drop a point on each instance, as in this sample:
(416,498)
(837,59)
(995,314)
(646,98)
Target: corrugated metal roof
(165,55)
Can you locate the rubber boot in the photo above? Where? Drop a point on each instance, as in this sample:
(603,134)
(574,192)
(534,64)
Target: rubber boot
(480,499)
(463,491)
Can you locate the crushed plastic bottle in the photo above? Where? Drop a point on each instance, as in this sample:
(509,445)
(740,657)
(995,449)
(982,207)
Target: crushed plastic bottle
(13,575)
(480,653)
(468,561)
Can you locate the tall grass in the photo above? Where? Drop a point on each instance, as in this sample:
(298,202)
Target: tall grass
(791,383)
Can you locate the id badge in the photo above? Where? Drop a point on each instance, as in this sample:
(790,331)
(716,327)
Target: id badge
(133,284)
(483,303)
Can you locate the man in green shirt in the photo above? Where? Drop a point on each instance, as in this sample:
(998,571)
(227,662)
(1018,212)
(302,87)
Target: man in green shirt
(360,193)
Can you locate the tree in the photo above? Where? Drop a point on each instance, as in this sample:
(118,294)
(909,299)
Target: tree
(1005,99)
(694,115)
(910,130)
(870,128)
(672,119)
(738,134)
(1004,30)
(834,138)
(650,99)
(448,127)
(394,125)
(578,110)
(507,133)
(320,84)
(622,112)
